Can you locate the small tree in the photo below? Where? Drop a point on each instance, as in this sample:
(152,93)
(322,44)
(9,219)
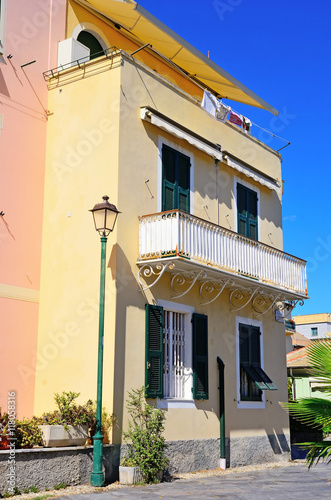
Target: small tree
(146,445)
(316,412)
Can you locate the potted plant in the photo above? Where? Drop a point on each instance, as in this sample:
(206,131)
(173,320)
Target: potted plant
(4,443)
(28,433)
(145,460)
(25,433)
(70,423)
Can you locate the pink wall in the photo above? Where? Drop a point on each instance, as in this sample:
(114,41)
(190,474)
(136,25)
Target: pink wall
(33,29)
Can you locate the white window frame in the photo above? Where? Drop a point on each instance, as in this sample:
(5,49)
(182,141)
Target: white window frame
(162,140)
(252,405)
(315,328)
(94,30)
(188,401)
(238,180)
(3,16)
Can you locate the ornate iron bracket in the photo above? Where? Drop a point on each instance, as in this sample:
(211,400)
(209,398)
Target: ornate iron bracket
(262,299)
(210,287)
(288,305)
(183,278)
(238,295)
(148,271)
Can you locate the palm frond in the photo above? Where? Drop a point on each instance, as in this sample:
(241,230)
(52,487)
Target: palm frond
(319,354)
(316,412)
(321,450)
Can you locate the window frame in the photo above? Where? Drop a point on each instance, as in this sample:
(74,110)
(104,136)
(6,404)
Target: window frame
(315,330)
(249,186)
(162,140)
(193,360)
(166,402)
(248,404)
(95,31)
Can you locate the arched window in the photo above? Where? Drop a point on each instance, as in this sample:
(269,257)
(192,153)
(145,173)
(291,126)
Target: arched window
(89,40)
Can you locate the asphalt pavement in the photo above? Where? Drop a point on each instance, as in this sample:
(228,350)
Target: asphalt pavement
(294,482)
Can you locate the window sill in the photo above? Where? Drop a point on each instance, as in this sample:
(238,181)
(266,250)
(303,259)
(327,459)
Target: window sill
(169,403)
(251,405)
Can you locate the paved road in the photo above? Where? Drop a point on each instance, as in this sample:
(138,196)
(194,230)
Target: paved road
(291,482)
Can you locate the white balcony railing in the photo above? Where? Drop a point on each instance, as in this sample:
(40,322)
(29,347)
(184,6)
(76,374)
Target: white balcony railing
(176,233)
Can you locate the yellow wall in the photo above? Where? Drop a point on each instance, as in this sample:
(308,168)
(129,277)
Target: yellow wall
(82,166)
(98,144)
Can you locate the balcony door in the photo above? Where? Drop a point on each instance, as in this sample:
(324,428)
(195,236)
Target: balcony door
(175,180)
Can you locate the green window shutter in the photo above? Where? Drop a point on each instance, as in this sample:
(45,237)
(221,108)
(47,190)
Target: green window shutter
(247,212)
(242,209)
(154,352)
(175,180)
(255,349)
(169,185)
(200,356)
(184,165)
(252,214)
(244,344)
(87,39)
(249,353)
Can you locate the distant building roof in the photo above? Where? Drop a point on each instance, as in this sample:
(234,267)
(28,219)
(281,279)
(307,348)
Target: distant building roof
(307,319)
(299,340)
(297,358)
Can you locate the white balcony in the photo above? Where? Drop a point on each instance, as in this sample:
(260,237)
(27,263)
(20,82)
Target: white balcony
(195,242)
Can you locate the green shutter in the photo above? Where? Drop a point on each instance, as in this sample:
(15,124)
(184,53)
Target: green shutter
(242,209)
(175,180)
(250,360)
(244,344)
(255,346)
(87,39)
(169,186)
(247,212)
(200,356)
(252,214)
(154,352)
(183,165)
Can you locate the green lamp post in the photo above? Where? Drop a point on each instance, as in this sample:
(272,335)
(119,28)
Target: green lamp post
(104,215)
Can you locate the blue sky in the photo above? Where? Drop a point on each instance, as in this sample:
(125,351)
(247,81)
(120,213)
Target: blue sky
(280,50)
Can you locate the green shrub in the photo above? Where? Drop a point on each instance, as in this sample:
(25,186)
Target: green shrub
(60,486)
(28,433)
(69,413)
(146,445)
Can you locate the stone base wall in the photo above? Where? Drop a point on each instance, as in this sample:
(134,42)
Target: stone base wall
(258,449)
(193,455)
(46,467)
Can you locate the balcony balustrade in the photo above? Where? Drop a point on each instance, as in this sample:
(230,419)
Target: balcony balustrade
(178,234)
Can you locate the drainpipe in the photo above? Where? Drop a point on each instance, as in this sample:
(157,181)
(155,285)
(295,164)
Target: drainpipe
(222,417)
(294,392)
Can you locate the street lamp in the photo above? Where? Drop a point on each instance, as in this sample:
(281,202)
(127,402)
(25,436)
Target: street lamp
(104,215)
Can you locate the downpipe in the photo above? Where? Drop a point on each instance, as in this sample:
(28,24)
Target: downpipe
(222,416)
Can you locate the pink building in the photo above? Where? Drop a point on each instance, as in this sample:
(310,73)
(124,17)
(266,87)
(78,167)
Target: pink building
(29,33)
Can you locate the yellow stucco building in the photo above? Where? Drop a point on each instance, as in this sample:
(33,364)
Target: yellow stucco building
(191,276)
